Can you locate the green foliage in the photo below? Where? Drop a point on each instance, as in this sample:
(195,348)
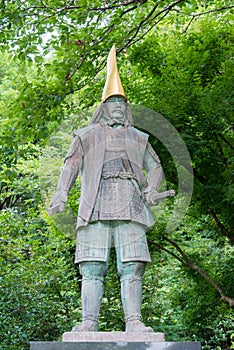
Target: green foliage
(193,89)
(112,316)
(39,294)
(171,59)
(177,300)
(39,289)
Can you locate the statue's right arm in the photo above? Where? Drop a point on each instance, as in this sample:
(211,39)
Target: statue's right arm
(72,165)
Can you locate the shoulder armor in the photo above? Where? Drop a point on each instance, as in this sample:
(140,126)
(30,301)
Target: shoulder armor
(85,130)
(139,132)
(75,146)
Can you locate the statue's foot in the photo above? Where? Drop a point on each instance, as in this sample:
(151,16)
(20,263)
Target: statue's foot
(137,326)
(86,326)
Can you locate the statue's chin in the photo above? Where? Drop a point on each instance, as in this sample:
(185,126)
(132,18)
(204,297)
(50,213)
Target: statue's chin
(117,118)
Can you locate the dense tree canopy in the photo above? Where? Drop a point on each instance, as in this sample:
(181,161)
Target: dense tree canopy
(174,57)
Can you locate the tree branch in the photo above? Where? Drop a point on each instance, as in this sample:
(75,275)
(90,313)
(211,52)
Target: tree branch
(148,30)
(136,30)
(188,25)
(182,253)
(70,74)
(194,15)
(222,155)
(224,297)
(210,11)
(72,7)
(116,6)
(169,252)
(211,212)
(188,262)
(226,141)
(43,4)
(9,201)
(128,10)
(222,228)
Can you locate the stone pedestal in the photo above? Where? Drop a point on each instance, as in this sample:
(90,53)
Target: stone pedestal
(114,341)
(115,346)
(113,337)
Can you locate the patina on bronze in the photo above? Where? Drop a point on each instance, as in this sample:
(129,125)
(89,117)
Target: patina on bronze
(113,158)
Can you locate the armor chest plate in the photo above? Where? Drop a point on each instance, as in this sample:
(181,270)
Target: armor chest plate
(115,138)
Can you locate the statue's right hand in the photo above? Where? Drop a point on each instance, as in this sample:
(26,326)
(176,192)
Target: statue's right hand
(55,208)
(57,202)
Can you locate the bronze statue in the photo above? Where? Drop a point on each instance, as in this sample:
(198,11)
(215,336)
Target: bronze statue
(115,202)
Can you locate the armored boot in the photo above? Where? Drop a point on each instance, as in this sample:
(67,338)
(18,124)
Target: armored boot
(131,294)
(91,296)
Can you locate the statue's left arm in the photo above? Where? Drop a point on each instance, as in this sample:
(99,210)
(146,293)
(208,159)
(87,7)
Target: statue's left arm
(155,174)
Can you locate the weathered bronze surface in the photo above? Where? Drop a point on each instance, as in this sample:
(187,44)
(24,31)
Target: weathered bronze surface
(120,174)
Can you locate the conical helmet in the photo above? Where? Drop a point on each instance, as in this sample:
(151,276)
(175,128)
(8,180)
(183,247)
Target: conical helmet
(113,85)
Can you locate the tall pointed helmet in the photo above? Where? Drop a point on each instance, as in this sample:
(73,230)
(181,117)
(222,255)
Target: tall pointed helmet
(113,85)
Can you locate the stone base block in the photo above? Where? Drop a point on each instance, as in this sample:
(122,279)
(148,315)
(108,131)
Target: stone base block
(113,337)
(115,346)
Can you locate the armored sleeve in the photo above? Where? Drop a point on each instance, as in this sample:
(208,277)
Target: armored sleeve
(72,165)
(153,167)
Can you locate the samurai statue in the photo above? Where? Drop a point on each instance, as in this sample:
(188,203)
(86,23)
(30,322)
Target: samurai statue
(120,176)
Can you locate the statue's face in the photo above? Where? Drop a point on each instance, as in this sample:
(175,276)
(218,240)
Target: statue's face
(116,106)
